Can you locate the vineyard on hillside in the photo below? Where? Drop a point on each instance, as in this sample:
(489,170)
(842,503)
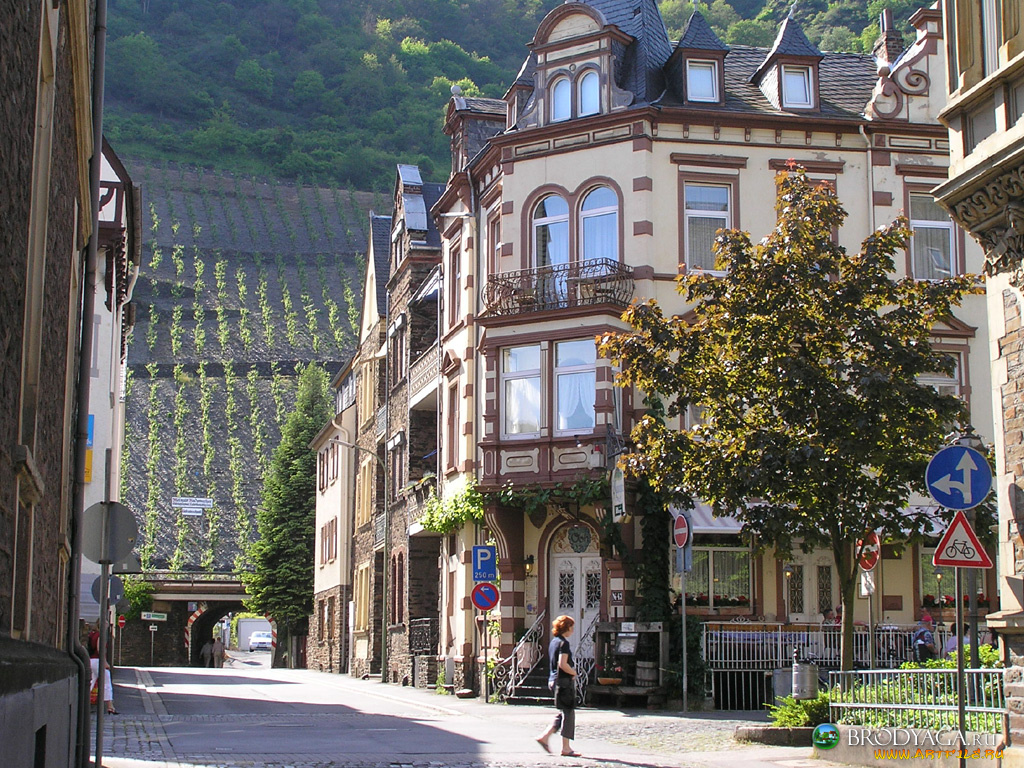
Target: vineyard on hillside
(242,282)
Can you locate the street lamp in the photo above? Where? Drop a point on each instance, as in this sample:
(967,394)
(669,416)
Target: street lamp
(387,546)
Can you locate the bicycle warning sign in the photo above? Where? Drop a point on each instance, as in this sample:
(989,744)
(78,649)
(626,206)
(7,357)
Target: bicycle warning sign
(960,547)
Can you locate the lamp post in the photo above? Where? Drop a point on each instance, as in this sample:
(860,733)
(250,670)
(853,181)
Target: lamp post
(384,600)
(788,573)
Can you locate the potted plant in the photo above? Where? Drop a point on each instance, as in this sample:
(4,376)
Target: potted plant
(609,675)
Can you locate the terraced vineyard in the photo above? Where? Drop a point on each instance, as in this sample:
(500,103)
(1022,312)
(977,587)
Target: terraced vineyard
(242,282)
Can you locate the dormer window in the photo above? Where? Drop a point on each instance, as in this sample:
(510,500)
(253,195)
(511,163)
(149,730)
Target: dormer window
(701,81)
(561,100)
(589,94)
(796,87)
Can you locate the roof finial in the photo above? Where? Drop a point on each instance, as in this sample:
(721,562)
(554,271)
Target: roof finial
(792,9)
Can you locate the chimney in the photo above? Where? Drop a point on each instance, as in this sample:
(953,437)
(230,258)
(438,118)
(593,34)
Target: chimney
(889,44)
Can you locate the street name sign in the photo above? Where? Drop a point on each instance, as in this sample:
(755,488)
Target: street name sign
(485,563)
(958,477)
(191,502)
(485,596)
(959,546)
(154,616)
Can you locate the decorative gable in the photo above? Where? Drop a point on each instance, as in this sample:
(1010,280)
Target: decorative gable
(788,76)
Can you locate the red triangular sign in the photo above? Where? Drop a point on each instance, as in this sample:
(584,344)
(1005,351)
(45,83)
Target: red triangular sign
(960,547)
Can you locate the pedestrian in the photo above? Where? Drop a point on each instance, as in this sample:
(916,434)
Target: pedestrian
(924,641)
(94,668)
(951,642)
(218,652)
(562,682)
(206,653)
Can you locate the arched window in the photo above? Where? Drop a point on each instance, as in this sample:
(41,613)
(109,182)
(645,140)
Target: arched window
(599,225)
(561,100)
(589,94)
(551,231)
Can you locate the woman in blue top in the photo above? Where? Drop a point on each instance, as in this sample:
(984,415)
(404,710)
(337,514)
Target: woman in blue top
(562,682)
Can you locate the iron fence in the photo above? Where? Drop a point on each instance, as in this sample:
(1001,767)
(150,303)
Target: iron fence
(767,646)
(423,635)
(583,283)
(917,698)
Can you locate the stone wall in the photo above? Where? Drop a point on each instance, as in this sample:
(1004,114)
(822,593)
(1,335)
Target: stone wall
(327,647)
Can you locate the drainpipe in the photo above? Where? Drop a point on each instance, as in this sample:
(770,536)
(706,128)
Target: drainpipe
(870,173)
(75,649)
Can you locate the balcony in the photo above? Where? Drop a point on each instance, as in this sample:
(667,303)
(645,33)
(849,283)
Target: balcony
(423,375)
(559,286)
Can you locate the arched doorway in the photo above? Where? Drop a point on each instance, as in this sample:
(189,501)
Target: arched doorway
(574,565)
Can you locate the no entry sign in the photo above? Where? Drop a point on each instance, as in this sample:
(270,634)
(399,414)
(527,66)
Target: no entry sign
(681,531)
(485,596)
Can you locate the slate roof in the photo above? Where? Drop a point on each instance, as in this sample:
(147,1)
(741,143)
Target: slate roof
(698,34)
(791,41)
(431,194)
(845,82)
(380,229)
(486,106)
(642,65)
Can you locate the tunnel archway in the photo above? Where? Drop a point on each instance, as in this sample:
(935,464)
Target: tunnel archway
(201,629)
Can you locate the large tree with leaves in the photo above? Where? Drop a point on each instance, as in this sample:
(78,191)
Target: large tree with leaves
(281,582)
(801,367)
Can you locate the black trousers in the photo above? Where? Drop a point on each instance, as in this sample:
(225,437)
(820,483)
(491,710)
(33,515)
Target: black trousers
(564,689)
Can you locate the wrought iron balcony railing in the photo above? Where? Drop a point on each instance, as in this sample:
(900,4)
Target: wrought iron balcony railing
(598,281)
(423,635)
(424,371)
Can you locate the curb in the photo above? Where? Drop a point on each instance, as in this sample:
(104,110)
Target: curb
(775,737)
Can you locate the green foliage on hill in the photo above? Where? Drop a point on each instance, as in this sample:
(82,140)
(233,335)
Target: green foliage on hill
(325,91)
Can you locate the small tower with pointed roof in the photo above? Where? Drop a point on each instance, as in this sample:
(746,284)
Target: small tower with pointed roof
(697,65)
(788,76)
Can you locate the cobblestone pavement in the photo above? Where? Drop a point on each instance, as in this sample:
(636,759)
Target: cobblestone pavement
(144,735)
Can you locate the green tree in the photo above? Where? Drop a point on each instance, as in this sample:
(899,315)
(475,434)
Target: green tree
(281,582)
(802,361)
(254,79)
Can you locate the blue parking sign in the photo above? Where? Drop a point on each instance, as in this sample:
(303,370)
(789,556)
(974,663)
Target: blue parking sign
(485,563)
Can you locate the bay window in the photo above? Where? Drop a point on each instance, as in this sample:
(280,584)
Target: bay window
(520,374)
(575,385)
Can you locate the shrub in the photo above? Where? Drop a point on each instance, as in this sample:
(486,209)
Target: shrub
(806,713)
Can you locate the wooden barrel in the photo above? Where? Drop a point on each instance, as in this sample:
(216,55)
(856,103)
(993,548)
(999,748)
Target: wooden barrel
(647,674)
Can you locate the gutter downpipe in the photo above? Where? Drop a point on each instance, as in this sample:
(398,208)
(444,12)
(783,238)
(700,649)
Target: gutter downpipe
(75,648)
(870,173)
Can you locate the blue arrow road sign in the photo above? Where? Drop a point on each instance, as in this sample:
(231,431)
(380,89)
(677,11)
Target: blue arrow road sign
(959,477)
(485,563)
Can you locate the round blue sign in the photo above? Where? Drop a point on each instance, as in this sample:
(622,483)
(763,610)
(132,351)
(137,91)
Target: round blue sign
(959,477)
(485,596)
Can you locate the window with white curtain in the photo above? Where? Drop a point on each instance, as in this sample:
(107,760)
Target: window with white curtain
(589,94)
(599,223)
(551,231)
(796,87)
(932,243)
(561,99)
(701,81)
(720,577)
(944,384)
(575,385)
(520,374)
(706,209)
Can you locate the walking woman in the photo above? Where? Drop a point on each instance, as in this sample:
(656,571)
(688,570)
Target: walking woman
(562,682)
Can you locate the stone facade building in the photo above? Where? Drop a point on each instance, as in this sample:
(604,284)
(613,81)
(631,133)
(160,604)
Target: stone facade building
(46,221)
(985,195)
(599,178)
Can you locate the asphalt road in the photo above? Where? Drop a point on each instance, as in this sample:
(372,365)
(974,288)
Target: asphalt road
(249,715)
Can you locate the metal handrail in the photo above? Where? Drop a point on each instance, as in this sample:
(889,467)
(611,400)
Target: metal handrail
(509,673)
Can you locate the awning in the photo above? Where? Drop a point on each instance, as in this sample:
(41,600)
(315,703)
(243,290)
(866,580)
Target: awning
(702,521)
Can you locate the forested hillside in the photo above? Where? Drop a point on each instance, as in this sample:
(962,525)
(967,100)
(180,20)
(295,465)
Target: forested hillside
(331,91)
